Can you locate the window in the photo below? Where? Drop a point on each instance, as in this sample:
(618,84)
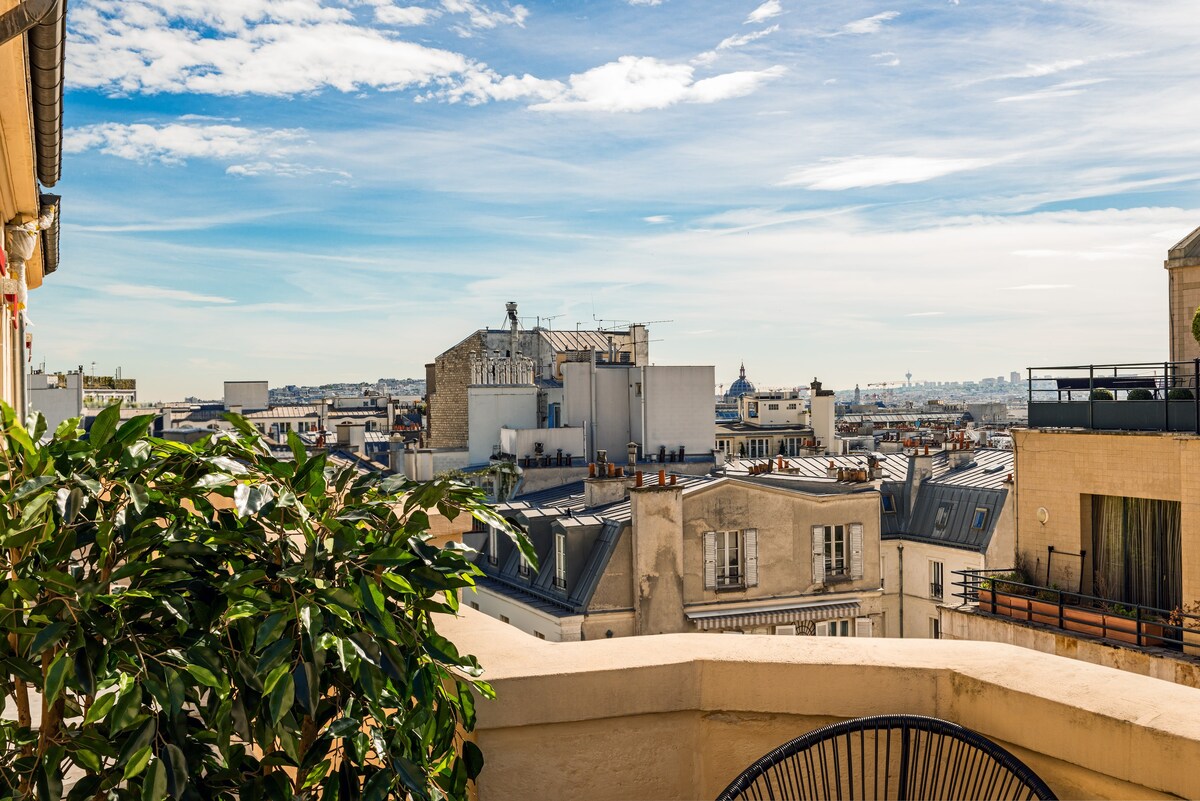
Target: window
(538,634)
(493,545)
(729,558)
(474,606)
(935,580)
(935,628)
(942,518)
(834,628)
(774,407)
(478,525)
(979,519)
(889,503)
(759,447)
(723,445)
(791,407)
(882,571)
(504,618)
(788,630)
(835,551)
(560,561)
(523,566)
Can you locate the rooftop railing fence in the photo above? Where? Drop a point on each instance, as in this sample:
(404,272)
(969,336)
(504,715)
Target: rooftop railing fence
(1001,593)
(1137,396)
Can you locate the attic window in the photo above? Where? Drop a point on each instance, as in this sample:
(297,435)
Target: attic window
(979,519)
(889,503)
(942,519)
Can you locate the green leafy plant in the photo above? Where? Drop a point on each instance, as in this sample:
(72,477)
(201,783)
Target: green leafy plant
(210,622)
(1101,394)
(1196,325)
(1180,393)
(1140,394)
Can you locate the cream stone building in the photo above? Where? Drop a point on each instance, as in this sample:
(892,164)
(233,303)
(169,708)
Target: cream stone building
(695,553)
(32,40)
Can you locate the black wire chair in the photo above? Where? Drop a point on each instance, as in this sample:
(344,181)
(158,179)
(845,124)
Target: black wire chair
(888,756)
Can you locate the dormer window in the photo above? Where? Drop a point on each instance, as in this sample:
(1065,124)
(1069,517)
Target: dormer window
(560,561)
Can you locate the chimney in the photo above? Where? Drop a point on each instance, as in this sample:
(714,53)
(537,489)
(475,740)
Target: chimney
(823,424)
(352,437)
(631,450)
(832,470)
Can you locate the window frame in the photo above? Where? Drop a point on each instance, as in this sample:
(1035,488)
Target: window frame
(837,536)
(560,561)
(937,586)
(979,518)
(888,499)
(493,545)
(730,573)
(941,518)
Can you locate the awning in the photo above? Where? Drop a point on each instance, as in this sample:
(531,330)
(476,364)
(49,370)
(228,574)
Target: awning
(773,614)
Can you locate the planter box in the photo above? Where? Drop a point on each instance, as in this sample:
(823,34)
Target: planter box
(1092,622)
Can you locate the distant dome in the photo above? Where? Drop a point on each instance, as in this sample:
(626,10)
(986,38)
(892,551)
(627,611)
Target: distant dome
(741,386)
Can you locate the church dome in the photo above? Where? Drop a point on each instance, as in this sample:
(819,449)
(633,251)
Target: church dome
(741,386)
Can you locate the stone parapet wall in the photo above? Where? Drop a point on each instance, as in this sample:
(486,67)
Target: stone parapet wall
(679,715)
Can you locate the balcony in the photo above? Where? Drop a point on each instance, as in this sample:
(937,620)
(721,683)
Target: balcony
(678,716)
(1148,396)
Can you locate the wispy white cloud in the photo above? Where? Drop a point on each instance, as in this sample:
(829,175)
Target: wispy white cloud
(283,169)
(637,84)
(175,143)
(745,39)
(864,171)
(1066,89)
(872,24)
(925,314)
(387,13)
(483,17)
(769,9)
(645,2)
(658,219)
(1039,287)
(886,59)
(145,292)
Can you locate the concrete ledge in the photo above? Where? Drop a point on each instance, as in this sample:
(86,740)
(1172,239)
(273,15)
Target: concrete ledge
(677,716)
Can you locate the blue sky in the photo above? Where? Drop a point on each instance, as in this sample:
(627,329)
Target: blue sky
(321,190)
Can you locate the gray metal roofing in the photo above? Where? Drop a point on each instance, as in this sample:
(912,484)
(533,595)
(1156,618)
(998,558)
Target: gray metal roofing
(898,417)
(569,497)
(961,504)
(282,411)
(584,340)
(989,467)
(895,465)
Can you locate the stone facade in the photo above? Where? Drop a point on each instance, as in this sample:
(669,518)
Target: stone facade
(1183,273)
(448,422)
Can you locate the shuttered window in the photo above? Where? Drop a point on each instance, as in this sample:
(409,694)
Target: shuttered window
(730,559)
(710,560)
(493,545)
(864,627)
(818,554)
(856,550)
(560,561)
(750,542)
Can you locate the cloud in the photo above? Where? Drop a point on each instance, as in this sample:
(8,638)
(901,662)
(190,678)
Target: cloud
(264,47)
(482,17)
(886,59)
(738,41)
(175,143)
(925,314)
(658,219)
(636,84)
(871,24)
(1039,287)
(1066,89)
(863,171)
(389,14)
(771,8)
(482,84)
(144,292)
(283,169)
(645,2)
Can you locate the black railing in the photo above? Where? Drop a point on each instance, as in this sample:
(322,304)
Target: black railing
(935,591)
(1139,396)
(996,592)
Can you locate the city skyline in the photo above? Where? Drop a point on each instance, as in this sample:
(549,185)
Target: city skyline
(834,189)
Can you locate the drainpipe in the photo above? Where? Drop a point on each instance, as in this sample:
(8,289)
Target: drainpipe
(900,551)
(16,21)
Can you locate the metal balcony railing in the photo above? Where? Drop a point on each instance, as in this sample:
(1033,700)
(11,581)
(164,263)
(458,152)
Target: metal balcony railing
(995,592)
(1113,397)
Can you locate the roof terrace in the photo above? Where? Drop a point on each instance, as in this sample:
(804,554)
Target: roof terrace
(1146,396)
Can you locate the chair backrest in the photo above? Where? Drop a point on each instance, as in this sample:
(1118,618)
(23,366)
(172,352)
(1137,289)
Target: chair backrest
(888,756)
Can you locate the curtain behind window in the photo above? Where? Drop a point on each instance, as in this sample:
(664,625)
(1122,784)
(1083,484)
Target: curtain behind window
(1136,550)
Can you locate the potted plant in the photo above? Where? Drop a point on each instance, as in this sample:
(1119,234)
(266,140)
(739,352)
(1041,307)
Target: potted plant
(1139,394)
(1100,394)
(208,621)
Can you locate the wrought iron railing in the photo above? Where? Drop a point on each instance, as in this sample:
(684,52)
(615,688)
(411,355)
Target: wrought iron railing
(1136,396)
(998,593)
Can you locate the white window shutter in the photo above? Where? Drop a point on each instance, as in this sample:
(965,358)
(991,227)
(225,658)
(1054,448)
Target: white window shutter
(856,550)
(864,627)
(710,560)
(818,554)
(822,629)
(751,545)
(787,630)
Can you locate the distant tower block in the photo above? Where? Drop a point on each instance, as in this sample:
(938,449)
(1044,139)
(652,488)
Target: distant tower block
(857,395)
(908,378)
